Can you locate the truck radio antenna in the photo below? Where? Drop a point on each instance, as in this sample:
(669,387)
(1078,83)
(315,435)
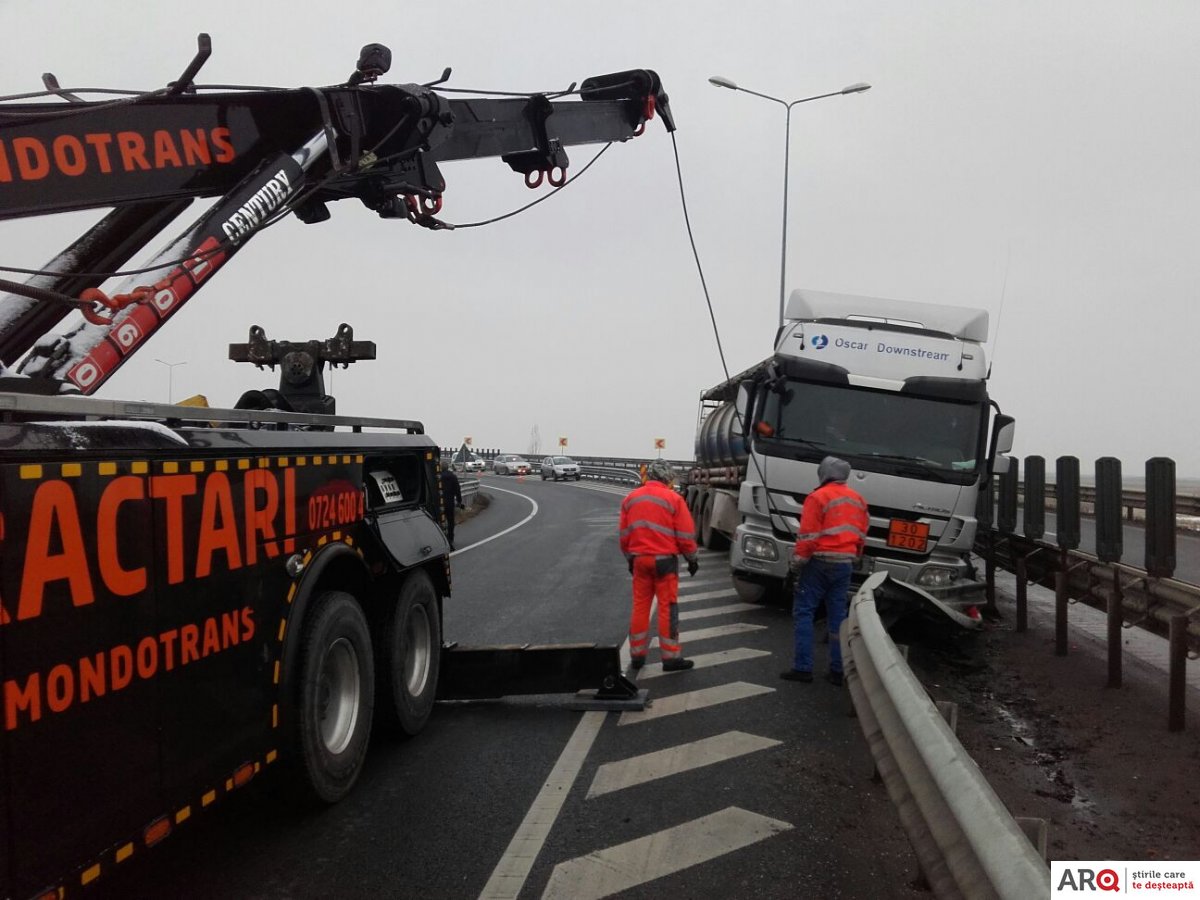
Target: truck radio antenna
(999,314)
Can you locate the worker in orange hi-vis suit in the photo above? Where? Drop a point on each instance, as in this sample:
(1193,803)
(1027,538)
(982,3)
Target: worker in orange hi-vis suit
(655,528)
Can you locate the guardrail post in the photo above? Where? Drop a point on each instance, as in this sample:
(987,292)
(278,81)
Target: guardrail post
(1177,674)
(949,711)
(1061,601)
(1037,831)
(1110,538)
(1066,502)
(1034,519)
(1022,595)
(1160,517)
(1006,513)
(1116,602)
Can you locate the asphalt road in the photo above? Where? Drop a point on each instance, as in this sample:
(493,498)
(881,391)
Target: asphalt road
(732,784)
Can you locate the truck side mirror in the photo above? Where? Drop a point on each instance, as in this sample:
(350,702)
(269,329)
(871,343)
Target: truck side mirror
(1003,429)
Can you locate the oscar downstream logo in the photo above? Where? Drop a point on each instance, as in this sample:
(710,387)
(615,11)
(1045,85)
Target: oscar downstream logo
(820,341)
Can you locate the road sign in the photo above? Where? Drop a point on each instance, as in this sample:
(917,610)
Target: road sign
(562,442)
(660,443)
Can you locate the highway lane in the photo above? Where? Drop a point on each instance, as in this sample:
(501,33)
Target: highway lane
(733,783)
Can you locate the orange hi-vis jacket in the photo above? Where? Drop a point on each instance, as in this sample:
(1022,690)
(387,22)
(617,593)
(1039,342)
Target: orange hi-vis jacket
(833,524)
(655,522)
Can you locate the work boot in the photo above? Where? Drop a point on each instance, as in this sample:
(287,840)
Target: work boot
(796,675)
(637,662)
(835,678)
(677,665)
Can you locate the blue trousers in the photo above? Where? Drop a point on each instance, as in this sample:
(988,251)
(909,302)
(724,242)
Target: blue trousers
(819,580)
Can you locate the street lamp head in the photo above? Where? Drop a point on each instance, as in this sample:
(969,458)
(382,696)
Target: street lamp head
(721,81)
(856,88)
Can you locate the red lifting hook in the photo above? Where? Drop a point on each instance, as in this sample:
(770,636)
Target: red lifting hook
(531,182)
(647,115)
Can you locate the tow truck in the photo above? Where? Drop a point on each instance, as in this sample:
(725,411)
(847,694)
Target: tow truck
(191,596)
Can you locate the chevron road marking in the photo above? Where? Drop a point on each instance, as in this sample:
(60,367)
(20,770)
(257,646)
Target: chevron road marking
(616,776)
(690,584)
(624,866)
(510,873)
(705,634)
(704,661)
(708,595)
(716,611)
(694,700)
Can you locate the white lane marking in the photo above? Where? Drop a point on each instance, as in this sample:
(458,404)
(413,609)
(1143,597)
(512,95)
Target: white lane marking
(616,776)
(716,631)
(707,595)
(717,611)
(687,584)
(624,866)
(513,868)
(506,530)
(694,700)
(705,660)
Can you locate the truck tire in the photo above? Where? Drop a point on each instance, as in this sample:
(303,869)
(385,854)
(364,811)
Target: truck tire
(698,517)
(410,656)
(709,536)
(336,696)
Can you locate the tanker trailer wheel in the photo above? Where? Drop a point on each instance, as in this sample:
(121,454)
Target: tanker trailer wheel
(709,536)
(336,696)
(410,656)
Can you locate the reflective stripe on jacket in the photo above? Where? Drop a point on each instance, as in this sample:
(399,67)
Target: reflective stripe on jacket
(655,522)
(833,523)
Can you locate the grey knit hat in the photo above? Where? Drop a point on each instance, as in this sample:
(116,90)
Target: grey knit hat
(660,470)
(833,469)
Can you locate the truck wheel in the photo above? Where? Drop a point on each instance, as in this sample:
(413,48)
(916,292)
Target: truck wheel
(774,594)
(698,517)
(411,656)
(336,696)
(709,536)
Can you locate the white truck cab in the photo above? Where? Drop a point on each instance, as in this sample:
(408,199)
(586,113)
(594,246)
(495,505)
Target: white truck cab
(898,390)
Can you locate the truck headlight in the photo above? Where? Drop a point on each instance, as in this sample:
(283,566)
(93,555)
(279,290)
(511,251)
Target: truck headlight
(759,548)
(937,576)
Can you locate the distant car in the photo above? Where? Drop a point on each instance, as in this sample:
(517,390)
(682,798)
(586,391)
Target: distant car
(560,468)
(474,464)
(510,464)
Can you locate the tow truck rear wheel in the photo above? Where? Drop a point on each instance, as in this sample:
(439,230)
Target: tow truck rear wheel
(411,656)
(709,536)
(336,696)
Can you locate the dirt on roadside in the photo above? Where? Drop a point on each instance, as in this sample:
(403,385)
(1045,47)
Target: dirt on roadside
(1098,764)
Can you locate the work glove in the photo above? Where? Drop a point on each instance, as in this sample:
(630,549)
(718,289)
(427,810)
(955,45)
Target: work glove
(796,565)
(693,565)
(630,561)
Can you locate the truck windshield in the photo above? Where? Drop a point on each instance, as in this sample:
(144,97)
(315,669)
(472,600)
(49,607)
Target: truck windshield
(876,430)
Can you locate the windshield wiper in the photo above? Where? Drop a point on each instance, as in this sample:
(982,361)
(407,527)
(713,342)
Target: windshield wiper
(914,464)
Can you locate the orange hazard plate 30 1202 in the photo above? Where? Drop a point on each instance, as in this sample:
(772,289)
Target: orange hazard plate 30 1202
(908,535)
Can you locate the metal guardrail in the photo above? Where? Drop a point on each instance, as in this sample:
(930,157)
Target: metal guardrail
(967,842)
(469,488)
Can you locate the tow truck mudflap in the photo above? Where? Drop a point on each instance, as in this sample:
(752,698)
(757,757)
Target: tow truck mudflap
(591,672)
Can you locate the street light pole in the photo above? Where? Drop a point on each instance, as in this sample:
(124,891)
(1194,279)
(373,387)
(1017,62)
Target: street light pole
(856,88)
(171,377)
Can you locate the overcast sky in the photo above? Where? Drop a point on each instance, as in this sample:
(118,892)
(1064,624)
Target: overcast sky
(1040,160)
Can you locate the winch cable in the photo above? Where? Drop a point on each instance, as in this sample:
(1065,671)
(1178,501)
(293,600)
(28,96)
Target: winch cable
(716,331)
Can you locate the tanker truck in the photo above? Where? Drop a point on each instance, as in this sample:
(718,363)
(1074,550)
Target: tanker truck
(897,389)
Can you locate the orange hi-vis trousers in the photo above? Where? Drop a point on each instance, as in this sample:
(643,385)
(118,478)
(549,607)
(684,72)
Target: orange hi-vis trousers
(646,586)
